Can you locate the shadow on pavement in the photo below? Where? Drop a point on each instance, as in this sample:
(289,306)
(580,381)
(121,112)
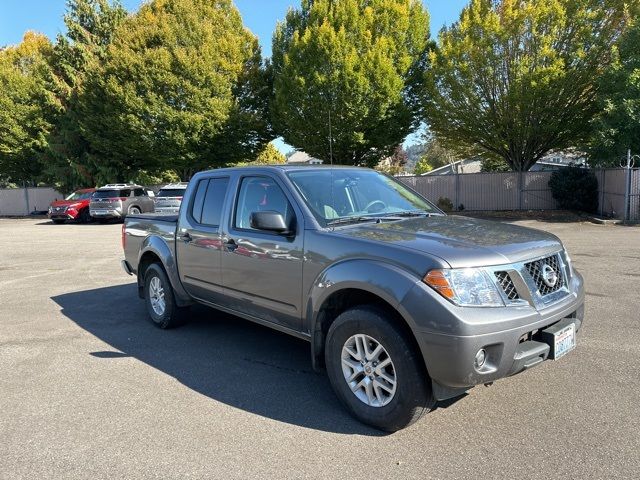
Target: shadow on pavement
(218,355)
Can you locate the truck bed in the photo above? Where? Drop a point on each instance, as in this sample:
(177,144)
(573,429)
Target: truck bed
(139,227)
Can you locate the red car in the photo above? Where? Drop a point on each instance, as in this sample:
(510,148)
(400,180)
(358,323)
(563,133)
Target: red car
(74,207)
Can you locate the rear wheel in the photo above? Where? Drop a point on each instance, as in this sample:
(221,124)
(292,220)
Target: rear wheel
(133,210)
(159,299)
(375,370)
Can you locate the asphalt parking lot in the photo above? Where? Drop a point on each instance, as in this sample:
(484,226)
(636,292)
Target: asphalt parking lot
(90,389)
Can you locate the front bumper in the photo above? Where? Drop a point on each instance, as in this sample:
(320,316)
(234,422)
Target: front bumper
(511,337)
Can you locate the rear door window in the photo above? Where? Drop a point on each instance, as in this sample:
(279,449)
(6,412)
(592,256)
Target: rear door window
(209,201)
(139,192)
(198,200)
(214,201)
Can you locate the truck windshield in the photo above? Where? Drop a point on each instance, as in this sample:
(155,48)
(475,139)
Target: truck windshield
(79,196)
(339,194)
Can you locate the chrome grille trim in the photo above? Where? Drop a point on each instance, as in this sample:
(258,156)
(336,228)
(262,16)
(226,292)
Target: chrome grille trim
(507,285)
(518,286)
(535,269)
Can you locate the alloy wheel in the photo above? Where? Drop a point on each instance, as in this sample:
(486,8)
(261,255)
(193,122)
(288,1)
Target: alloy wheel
(368,370)
(156,294)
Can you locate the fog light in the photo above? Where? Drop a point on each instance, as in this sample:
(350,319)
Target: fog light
(481,357)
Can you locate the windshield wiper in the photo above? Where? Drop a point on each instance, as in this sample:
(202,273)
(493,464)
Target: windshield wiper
(344,220)
(411,213)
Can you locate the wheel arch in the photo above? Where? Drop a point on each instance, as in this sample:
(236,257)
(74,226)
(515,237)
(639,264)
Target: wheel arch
(155,250)
(353,283)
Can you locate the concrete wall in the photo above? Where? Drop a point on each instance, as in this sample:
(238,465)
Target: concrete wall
(23,201)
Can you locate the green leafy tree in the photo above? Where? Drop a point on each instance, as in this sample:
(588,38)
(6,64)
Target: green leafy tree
(27,110)
(422,166)
(270,155)
(182,86)
(617,128)
(78,54)
(348,66)
(514,79)
(435,155)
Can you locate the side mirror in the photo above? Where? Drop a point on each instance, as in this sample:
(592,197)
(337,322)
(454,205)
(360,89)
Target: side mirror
(270,221)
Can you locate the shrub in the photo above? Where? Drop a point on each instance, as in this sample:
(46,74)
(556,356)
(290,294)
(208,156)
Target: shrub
(575,188)
(445,204)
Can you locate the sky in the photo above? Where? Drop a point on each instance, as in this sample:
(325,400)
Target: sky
(260,16)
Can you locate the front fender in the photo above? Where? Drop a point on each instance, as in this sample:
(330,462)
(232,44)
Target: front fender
(159,247)
(384,280)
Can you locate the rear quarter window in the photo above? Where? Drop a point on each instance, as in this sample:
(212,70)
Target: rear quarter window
(209,201)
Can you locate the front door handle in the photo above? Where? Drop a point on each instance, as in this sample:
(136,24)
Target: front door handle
(186,237)
(229,243)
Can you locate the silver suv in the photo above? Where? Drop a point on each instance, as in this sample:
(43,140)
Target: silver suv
(169,198)
(117,200)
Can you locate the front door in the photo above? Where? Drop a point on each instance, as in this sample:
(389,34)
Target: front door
(263,270)
(198,240)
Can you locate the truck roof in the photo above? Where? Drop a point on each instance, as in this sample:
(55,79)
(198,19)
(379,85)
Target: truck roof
(287,168)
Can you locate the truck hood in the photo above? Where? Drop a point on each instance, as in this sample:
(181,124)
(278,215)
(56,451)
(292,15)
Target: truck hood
(460,241)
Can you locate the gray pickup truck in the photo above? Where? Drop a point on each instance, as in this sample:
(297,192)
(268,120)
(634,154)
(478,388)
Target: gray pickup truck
(402,305)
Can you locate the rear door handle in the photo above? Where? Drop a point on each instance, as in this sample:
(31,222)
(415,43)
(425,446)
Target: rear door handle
(186,237)
(229,243)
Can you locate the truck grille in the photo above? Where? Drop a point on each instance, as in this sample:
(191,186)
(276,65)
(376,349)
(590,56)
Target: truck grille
(543,272)
(509,289)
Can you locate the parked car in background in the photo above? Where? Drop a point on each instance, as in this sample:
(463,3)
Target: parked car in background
(117,200)
(169,198)
(74,207)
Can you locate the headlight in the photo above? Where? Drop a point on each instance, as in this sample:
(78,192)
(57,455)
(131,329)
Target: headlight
(466,287)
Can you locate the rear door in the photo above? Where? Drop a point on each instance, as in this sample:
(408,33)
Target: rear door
(263,270)
(198,240)
(143,200)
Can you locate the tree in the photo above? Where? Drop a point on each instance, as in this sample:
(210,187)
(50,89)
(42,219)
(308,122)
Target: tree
(344,69)
(270,155)
(78,54)
(435,155)
(394,164)
(182,86)
(617,128)
(26,108)
(422,166)
(513,79)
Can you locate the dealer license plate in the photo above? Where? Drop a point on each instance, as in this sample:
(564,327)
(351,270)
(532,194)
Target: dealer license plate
(564,341)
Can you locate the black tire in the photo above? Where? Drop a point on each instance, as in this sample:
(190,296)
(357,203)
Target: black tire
(172,316)
(58,221)
(413,396)
(134,210)
(84,216)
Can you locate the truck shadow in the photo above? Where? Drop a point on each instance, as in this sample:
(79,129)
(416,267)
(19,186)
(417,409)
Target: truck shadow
(226,358)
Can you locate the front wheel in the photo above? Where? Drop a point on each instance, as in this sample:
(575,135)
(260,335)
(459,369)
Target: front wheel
(159,299)
(375,371)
